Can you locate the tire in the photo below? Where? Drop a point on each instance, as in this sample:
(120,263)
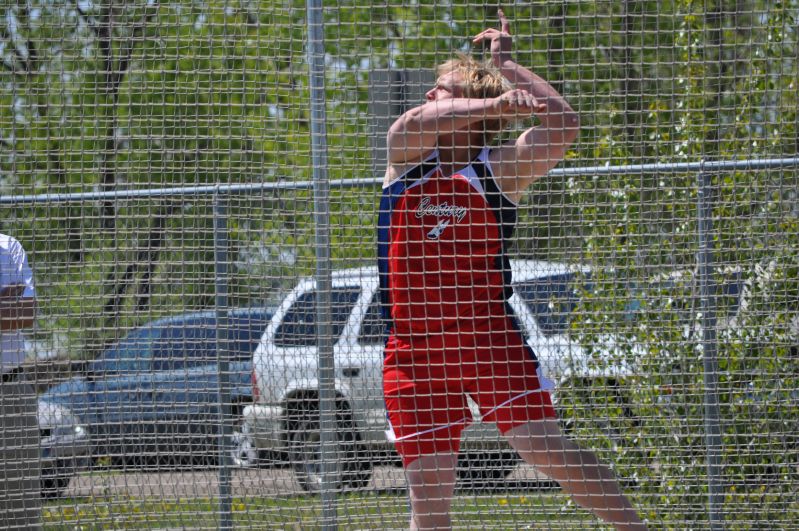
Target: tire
(54,482)
(244,453)
(486,470)
(352,469)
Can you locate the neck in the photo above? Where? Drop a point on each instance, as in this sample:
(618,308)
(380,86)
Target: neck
(459,149)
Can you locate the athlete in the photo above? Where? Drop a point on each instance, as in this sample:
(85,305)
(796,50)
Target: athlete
(447,215)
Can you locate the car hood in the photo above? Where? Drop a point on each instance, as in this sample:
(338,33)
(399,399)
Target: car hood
(73,394)
(53,416)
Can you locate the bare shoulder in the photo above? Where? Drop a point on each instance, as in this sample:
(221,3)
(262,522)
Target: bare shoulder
(396,170)
(511,175)
(519,163)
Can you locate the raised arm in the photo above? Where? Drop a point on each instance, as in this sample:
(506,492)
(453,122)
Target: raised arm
(519,163)
(415,134)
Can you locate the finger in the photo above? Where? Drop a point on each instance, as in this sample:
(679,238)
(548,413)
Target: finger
(529,101)
(503,22)
(485,34)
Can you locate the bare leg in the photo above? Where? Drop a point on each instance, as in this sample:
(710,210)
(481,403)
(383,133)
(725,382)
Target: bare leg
(579,473)
(431,481)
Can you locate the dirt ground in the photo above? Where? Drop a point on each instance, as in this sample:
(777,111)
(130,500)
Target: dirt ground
(250,482)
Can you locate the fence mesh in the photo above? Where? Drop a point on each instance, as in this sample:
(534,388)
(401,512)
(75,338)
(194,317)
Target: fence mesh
(156,165)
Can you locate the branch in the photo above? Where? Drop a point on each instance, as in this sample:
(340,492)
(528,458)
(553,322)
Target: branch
(87,18)
(31,64)
(130,44)
(146,260)
(156,243)
(12,66)
(32,61)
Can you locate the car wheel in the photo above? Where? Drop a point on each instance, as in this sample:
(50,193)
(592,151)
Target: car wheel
(352,468)
(243,452)
(54,483)
(485,470)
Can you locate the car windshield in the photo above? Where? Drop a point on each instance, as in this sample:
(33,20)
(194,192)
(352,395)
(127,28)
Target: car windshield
(192,344)
(299,325)
(244,334)
(132,354)
(182,345)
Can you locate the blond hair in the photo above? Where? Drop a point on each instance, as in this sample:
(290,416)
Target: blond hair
(481,79)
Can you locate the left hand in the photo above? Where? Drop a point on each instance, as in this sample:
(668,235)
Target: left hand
(501,40)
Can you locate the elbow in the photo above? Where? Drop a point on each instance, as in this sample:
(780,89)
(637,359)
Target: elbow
(567,128)
(563,126)
(410,122)
(399,131)
(571,126)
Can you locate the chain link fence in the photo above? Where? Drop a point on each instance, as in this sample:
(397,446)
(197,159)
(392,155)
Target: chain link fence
(196,185)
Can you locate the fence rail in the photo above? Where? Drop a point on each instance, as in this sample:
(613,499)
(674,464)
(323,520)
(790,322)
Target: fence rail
(229,189)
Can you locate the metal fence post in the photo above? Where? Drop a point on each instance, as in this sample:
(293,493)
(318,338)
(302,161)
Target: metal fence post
(709,343)
(321,191)
(223,363)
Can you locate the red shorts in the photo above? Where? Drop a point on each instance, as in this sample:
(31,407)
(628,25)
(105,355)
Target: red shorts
(426,391)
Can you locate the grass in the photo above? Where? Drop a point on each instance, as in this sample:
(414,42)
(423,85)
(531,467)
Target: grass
(361,511)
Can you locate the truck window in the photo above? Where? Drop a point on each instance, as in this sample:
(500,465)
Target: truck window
(298,328)
(551,300)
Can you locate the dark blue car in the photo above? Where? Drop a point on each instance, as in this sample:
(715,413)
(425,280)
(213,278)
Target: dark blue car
(153,398)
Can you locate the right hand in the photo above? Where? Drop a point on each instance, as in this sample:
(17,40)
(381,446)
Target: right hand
(500,40)
(518,103)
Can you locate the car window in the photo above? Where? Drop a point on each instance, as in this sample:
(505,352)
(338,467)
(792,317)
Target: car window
(373,329)
(551,300)
(299,324)
(244,334)
(185,345)
(132,354)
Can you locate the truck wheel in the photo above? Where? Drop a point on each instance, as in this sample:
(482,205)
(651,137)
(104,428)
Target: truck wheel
(351,469)
(54,481)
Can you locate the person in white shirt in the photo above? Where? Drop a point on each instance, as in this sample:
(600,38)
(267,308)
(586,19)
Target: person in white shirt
(20,494)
